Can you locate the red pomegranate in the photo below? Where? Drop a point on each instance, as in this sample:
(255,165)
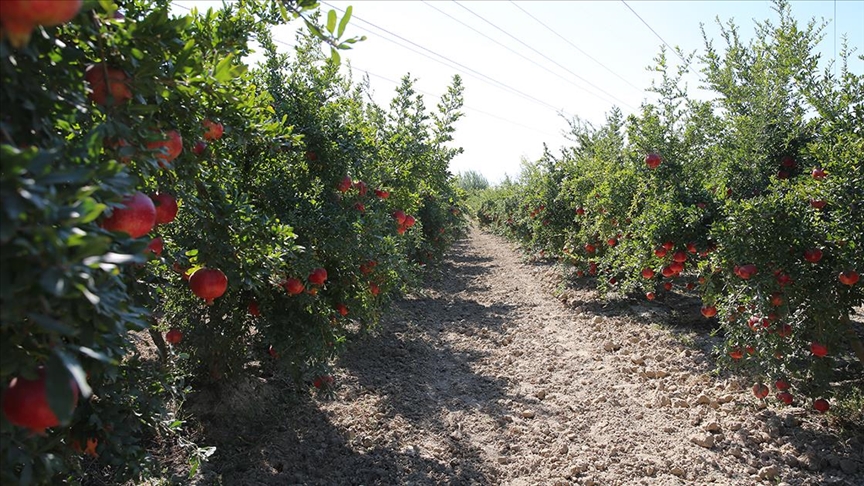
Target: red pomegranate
(399,216)
(342,309)
(109,86)
(361,187)
(374,289)
(166,207)
(156,246)
(136,218)
(293,286)
(19,17)
(213,130)
(318,276)
(409,221)
(254,311)
(168,149)
(174,336)
(25,403)
(344,185)
(647,273)
(209,284)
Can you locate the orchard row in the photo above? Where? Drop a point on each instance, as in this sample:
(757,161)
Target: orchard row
(154,185)
(753,202)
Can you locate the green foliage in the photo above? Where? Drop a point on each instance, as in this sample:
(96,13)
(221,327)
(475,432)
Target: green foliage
(259,202)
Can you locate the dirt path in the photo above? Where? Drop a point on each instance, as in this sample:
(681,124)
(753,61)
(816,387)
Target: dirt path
(484,377)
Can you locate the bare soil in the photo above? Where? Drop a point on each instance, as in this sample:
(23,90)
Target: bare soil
(486,377)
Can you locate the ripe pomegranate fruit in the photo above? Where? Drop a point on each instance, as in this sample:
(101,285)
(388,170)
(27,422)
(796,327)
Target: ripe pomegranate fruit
(821,405)
(166,207)
(18,18)
(813,255)
(589,248)
(409,221)
(374,289)
(709,311)
(382,194)
(342,309)
(136,218)
(209,284)
(344,185)
(322,381)
(253,308)
(667,286)
(109,86)
(650,295)
(25,403)
(679,257)
(818,349)
(781,384)
(745,271)
(660,252)
(174,336)
(200,147)
(849,278)
(818,173)
(361,187)
(785,397)
(652,160)
(736,353)
(818,203)
(318,276)
(213,130)
(776,299)
(293,286)
(669,245)
(647,273)
(399,216)
(156,246)
(760,390)
(168,149)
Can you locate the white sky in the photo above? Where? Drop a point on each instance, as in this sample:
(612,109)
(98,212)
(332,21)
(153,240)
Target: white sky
(500,127)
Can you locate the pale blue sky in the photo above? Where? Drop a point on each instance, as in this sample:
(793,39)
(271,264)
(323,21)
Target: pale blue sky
(501,127)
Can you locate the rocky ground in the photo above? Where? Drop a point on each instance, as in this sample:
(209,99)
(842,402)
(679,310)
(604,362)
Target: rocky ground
(486,377)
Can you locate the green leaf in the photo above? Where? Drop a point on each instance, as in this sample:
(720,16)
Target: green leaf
(73,367)
(192,252)
(331,21)
(58,389)
(334,55)
(52,325)
(92,353)
(344,22)
(53,281)
(224,70)
(284,12)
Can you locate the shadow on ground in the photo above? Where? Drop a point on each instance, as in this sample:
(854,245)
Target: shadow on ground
(268,433)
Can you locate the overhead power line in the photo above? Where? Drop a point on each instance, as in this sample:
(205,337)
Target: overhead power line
(544,56)
(513,51)
(462,67)
(465,107)
(550,29)
(654,31)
